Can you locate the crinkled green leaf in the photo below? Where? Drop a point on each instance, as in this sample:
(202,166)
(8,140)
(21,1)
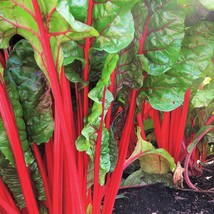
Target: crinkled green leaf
(72,51)
(114,22)
(18,17)
(194,11)
(97,59)
(113,150)
(131,68)
(209,4)
(10,177)
(161,24)
(78,8)
(63,9)
(166,92)
(18,112)
(29,80)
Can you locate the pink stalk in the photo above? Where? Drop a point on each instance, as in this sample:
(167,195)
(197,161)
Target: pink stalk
(210,120)
(58,169)
(114,181)
(6,195)
(187,160)
(6,207)
(49,163)
(86,56)
(97,187)
(59,105)
(12,133)
(181,129)
(165,130)
(174,123)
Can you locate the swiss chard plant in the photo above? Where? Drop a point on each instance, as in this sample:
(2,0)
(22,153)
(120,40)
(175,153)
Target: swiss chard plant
(82,83)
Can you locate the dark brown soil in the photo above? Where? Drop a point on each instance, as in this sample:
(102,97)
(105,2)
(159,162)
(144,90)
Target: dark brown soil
(160,199)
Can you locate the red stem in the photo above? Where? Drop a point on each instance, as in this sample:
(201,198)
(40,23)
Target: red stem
(187,160)
(54,82)
(210,120)
(182,125)
(49,163)
(58,169)
(86,55)
(165,130)
(6,195)
(143,38)
(114,182)
(12,133)
(6,207)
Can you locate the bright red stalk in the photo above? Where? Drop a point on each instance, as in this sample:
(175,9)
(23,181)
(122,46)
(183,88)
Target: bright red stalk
(6,195)
(114,181)
(6,207)
(187,159)
(49,163)
(182,125)
(86,56)
(165,130)
(143,38)
(174,124)
(58,169)
(12,133)
(59,105)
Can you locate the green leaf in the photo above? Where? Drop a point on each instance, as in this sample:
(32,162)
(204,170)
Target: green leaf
(166,92)
(153,161)
(209,4)
(160,30)
(18,17)
(72,51)
(140,177)
(10,177)
(204,97)
(131,68)
(157,161)
(114,22)
(194,11)
(78,8)
(79,27)
(28,79)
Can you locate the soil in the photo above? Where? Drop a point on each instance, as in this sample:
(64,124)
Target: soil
(161,199)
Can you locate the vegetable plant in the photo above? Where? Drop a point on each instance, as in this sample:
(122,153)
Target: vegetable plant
(78,82)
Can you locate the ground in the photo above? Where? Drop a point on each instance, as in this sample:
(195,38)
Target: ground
(161,199)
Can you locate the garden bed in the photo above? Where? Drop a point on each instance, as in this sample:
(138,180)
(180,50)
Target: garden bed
(160,199)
